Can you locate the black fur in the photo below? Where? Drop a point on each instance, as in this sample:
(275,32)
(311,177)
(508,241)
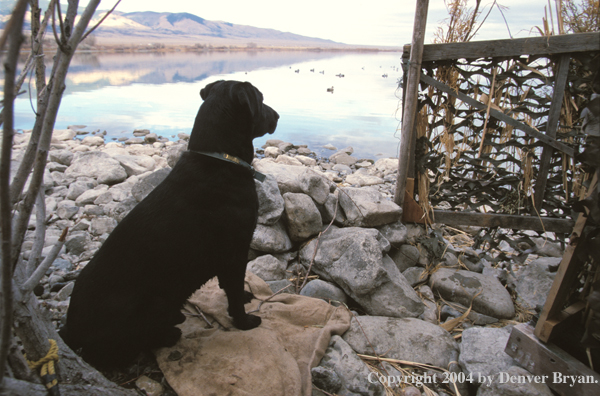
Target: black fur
(197,224)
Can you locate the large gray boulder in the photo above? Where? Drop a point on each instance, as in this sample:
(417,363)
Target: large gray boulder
(461,286)
(314,185)
(482,351)
(402,338)
(136,164)
(271,239)
(352,258)
(268,268)
(99,165)
(270,201)
(286,175)
(365,207)
(534,281)
(145,185)
(302,216)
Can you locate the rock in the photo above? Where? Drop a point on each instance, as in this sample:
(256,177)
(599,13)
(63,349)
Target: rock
(134,140)
(482,351)
(415,275)
(396,233)
(270,201)
(461,286)
(76,245)
(93,141)
(534,281)
(150,138)
(64,157)
(362,178)
(502,386)
(405,257)
(286,175)
(61,135)
(314,185)
(67,211)
(79,187)
(364,207)
(89,196)
(121,209)
(65,292)
(306,161)
(174,153)
(330,146)
(387,165)
(98,165)
(140,132)
(268,268)
(287,160)
(302,216)
(121,191)
(135,164)
(271,239)
(326,379)
(149,386)
(544,247)
(102,225)
(344,159)
(406,339)
(352,258)
(144,186)
(323,290)
(345,169)
(351,371)
(332,208)
(272,152)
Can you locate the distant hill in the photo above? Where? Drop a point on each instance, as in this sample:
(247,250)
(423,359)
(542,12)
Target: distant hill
(153,25)
(146,27)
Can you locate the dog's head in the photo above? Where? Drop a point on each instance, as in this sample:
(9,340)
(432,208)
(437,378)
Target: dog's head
(242,100)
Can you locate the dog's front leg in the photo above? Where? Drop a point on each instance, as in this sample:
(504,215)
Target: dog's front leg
(233,284)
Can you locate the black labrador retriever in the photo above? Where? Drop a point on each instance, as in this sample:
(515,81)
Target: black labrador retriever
(197,224)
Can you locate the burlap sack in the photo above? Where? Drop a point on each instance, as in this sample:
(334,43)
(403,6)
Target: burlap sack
(273,359)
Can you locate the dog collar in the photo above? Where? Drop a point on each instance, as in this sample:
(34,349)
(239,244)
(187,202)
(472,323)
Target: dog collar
(235,160)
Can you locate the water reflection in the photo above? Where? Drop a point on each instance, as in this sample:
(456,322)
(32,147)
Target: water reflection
(160,91)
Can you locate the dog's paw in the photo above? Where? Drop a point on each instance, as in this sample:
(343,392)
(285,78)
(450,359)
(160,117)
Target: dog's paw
(247,322)
(248,296)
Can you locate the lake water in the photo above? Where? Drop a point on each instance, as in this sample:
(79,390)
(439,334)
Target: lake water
(118,93)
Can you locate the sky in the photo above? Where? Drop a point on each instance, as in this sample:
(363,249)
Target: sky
(375,22)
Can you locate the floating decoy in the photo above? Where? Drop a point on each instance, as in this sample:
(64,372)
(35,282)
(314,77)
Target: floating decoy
(330,89)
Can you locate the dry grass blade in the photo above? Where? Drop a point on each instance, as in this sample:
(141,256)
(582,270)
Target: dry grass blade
(452,323)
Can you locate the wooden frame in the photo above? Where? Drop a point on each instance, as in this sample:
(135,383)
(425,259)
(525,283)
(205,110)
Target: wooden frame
(556,366)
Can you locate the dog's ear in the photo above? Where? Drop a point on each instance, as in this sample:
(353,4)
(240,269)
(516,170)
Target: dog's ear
(204,92)
(249,98)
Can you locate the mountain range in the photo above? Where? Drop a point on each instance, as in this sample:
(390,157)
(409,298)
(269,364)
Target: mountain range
(173,26)
(148,27)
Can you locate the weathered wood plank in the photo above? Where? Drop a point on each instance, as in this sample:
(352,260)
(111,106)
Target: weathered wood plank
(548,360)
(517,222)
(551,128)
(559,44)
(500,115)
(563,281)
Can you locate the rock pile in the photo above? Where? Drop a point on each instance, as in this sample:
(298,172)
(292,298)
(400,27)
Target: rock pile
(335,218)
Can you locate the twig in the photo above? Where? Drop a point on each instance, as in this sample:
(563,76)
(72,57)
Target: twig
(40,271)
(99,22)
(268,299)
(312,261)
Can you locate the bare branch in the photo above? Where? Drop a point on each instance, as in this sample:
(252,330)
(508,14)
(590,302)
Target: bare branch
(40,234)
(15,40)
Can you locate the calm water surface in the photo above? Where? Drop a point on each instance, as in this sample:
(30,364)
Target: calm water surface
(118,93)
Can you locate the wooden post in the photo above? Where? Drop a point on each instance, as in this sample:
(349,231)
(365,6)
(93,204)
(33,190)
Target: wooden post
(410,103)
